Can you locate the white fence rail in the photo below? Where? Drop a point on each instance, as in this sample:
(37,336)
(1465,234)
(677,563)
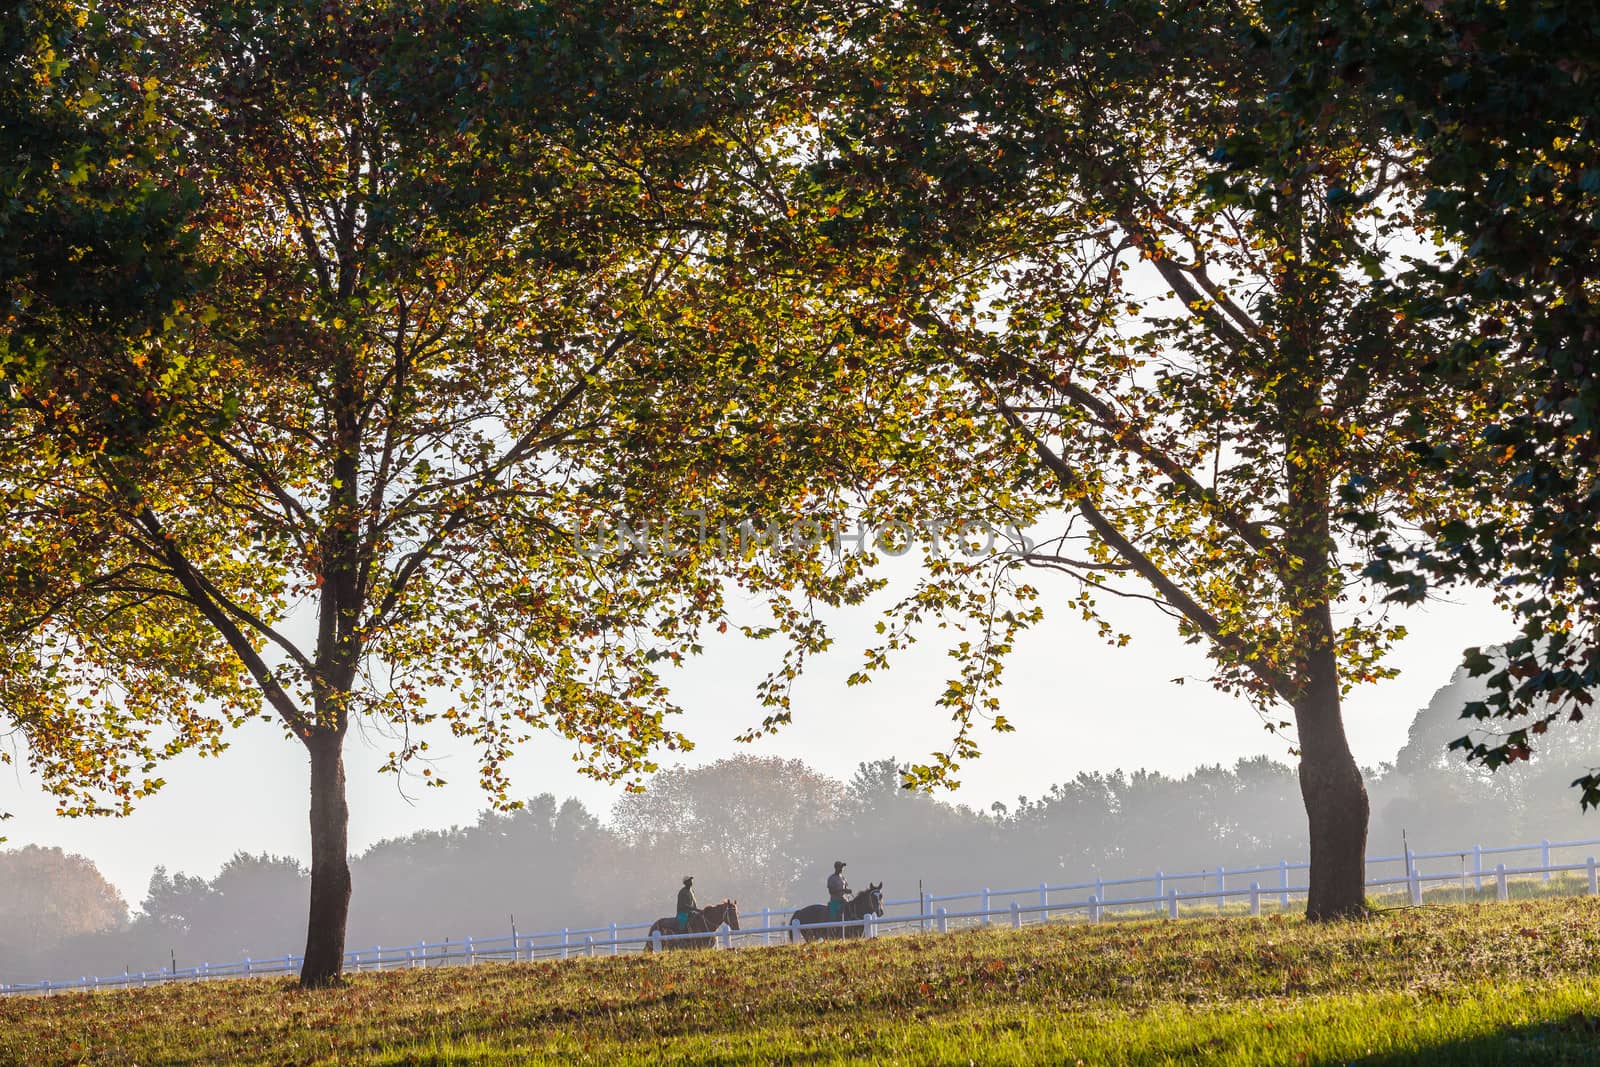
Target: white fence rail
(1472,871)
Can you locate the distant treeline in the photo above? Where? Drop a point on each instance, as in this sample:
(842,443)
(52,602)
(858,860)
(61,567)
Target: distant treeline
(765,831)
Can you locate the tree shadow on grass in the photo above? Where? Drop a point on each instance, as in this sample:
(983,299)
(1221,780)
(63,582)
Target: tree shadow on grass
(1574,1039)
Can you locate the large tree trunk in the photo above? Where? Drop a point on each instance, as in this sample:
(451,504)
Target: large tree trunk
(330,862)
(1330,784)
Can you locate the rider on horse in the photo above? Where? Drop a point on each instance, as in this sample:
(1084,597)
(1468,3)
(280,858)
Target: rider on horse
(686,905)
(838,890)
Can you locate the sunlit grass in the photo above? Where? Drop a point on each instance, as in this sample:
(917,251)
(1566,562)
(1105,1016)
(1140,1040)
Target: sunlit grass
(1507,983)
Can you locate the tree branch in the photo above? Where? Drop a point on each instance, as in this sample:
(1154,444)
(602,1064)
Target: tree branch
(1143,565)
(184,572)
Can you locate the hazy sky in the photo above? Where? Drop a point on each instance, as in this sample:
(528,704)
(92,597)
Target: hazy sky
(1077,705)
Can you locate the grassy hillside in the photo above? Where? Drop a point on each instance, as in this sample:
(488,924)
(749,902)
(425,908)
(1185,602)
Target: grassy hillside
(1507,983)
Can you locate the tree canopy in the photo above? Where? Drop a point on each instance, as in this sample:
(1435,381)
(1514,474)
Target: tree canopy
(94,251)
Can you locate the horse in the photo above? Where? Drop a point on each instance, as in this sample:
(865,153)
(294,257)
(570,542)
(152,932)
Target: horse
(705,921)
(867,902)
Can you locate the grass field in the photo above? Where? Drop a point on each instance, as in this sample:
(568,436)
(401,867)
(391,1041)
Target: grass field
(1490,983)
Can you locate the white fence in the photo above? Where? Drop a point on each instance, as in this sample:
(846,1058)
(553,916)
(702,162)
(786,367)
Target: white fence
(1474,872)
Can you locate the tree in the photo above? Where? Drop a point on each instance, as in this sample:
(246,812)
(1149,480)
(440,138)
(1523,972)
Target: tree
(176,903)
(1181,363)
(545,864)
(1438,800)
(247,909)
(896,836)
(732,824)
(477,281)
(1501,102)
(1125,824)
(51,896)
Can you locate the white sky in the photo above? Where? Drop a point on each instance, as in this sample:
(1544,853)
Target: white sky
(1077,704)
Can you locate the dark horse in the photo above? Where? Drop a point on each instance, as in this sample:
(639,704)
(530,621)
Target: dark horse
(867,902)
(705,921)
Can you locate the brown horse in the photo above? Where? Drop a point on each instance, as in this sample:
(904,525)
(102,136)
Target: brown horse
(806,921)
(705,921)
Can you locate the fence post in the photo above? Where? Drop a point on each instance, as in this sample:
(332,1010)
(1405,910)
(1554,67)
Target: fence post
(247,966)
(1414,884)
(1477,867)
(986,905)
(1500,882)
(566,940)
(1094,908)
(1016,914)
(655,939)
(941,924)
(1544,857)
(614,945)
(1222,884)
(1283,883)
(1255,898)
(588,942)
(1172,903)
(766,926)
(725,936)
(1594,883)
(1044,902)
(471,959)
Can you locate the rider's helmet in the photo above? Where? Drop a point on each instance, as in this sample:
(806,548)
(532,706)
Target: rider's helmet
(688,879)
(838,865)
